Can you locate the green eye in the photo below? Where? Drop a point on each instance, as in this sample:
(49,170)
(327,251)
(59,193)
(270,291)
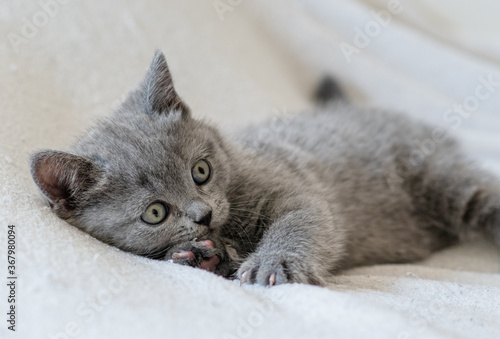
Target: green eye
(201,172)
(155,213)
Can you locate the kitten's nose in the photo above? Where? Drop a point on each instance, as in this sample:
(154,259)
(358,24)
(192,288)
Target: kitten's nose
(205,220)
(200,213)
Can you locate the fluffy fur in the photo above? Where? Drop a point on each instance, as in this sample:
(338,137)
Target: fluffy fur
(326,190)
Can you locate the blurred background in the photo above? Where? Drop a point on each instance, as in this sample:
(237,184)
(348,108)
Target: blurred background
(235,61)
(471,27)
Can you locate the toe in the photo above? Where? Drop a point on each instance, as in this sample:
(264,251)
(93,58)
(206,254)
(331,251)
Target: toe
(183,255)
(210,264)
(207,243)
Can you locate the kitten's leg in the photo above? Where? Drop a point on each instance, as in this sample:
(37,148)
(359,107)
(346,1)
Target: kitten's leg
(453,195)
(301,245)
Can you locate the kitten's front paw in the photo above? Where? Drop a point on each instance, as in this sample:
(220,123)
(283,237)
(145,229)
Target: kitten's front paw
(273,270)
(201,254)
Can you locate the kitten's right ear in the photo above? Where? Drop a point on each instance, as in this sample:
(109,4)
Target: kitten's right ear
(64,179)
(157,89)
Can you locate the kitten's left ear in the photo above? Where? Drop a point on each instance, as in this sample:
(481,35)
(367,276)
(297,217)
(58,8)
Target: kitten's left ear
(64,179)
(158,88)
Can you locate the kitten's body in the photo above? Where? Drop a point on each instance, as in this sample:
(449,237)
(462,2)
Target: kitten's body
(327,190)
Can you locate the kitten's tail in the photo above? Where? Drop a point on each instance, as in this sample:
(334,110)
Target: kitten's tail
(328,90)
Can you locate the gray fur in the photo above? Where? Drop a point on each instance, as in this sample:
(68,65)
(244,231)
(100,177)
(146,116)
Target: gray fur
(328,190)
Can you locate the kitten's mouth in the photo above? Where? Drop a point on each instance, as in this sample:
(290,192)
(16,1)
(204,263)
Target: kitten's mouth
(208,232)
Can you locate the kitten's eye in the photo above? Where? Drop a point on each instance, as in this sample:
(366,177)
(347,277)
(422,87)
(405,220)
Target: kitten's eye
(201,172)
(155,213)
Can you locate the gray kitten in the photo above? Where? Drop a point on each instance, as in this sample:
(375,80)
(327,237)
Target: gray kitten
(331,189)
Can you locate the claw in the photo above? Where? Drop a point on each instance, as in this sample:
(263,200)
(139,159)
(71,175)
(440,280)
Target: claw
(244,278)
(272,279)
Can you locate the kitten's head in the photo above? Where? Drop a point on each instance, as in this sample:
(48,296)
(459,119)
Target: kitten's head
(148,177)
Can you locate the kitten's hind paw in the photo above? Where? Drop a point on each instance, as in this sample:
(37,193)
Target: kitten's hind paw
(201,254)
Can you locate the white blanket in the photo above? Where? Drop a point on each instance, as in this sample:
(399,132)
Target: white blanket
(235,62)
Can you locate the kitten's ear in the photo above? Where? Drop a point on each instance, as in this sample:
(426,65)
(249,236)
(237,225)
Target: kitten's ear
(158,88)
(63,179)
